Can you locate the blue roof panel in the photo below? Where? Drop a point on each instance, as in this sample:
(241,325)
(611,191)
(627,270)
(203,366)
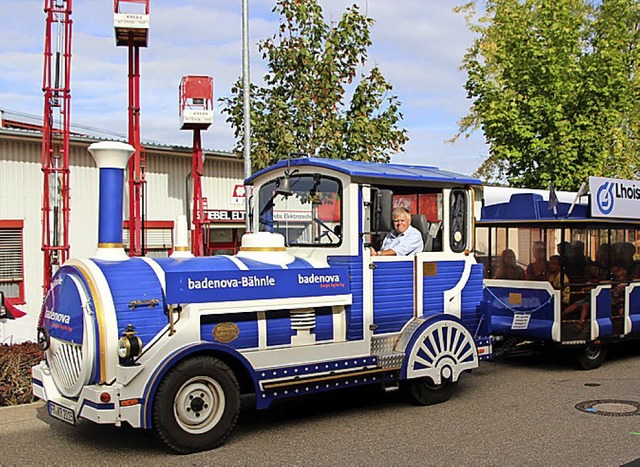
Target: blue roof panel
(531,206)
(359,169)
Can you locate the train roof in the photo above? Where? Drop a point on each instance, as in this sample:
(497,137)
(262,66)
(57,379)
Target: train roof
(532,207)
(359,169)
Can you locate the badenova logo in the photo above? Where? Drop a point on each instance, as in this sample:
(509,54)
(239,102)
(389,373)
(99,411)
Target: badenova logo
(318,278)
(614,198)
(57,317)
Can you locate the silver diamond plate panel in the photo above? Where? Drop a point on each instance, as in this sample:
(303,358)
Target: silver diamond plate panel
(407,334)
(391,360)
(383,348)
(383,344)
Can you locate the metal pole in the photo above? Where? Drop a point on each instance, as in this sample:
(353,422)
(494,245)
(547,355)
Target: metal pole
(245,107)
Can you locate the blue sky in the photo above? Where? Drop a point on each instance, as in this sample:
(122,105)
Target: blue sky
(418,44)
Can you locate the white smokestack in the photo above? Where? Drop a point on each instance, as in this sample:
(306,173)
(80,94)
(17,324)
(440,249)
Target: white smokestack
(181,239)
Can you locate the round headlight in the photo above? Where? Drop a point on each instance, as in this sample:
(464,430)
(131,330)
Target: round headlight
(129,346)
(124,347)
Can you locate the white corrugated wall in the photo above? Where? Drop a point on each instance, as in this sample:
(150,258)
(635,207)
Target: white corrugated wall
(21,182)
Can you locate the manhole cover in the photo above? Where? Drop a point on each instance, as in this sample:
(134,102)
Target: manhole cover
(610,407)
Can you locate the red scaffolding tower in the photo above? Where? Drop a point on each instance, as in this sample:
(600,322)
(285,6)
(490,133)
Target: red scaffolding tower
(196,113)
(56,85)
(131,27)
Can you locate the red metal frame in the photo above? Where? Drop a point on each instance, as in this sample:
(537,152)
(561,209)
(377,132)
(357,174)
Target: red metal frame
(150,225)
(137,163)
(56,85)
(197,172)
(196,92)
(17,224)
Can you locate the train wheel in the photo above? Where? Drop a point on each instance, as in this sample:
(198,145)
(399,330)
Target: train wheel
(592,356)
(422,391)
(196,405)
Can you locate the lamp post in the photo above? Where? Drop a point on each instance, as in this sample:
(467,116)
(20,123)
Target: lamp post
(245,108)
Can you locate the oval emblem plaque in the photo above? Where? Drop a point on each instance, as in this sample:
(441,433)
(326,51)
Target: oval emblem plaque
(226,332)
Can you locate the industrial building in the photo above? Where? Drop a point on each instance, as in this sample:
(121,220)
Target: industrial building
(167,194)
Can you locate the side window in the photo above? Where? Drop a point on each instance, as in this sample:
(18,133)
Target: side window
(458,222)
(11,261)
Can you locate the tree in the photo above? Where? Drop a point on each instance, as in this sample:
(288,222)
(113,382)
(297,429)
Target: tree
(555,89)
(313,67)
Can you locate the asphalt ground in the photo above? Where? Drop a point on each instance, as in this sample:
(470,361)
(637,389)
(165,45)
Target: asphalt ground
(518,411)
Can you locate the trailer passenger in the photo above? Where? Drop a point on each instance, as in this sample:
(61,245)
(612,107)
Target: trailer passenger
(508,268)
(620,282)
(538,269)
(583,303)
(603,261)
(577,262)
(558,279)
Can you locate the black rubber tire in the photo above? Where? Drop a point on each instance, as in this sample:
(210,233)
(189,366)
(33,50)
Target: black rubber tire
(591,356)
(200,386)
(422,391)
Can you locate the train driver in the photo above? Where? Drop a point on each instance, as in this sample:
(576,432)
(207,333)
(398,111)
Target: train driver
(404,239)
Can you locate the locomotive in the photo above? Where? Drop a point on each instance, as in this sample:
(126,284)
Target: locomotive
(171,344)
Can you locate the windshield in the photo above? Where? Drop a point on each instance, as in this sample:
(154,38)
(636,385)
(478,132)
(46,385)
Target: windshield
(310,216)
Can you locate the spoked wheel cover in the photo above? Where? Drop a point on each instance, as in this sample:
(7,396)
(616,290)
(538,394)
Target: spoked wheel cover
(442,351)
(199,404)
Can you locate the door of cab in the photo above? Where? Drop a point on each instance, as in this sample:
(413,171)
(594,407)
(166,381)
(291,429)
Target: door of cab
(393,293)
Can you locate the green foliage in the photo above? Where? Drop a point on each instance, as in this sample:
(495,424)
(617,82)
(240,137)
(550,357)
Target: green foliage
(555,90)
(302,108)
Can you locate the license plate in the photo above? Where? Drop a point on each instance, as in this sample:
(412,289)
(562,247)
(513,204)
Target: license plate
(62,413)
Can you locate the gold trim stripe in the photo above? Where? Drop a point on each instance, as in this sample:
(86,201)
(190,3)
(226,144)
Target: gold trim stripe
(110,245)
(262,248)
(102,333)
(181,248)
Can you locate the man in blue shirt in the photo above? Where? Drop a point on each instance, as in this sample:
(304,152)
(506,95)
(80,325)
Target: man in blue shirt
(404,240)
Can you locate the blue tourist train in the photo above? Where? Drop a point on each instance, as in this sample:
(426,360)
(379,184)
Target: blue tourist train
(171,344)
